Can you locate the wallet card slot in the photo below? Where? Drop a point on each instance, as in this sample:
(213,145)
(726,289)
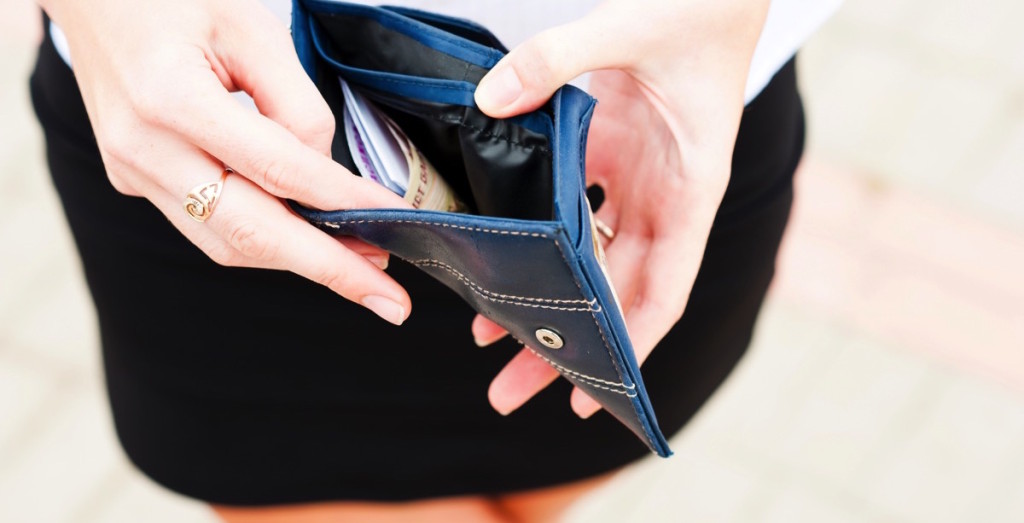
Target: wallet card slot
(497,167)
(457,26)
(361,43)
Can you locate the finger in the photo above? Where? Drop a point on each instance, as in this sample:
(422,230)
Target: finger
(626,258)
(261,228)
(168,196)
(526,78)
(521,379)
(208,241)
(264,151)
(211,243)
(582,404)
(259,57)
(374,254)
(662,293)
(486,332)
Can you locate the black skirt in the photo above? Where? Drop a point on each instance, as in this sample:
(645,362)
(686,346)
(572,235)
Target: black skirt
(275,390)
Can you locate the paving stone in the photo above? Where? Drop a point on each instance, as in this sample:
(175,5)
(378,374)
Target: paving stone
(953,457)
(142,500)
(892,15)
(756,406)
(961,27)
(23,234)
(22,391)
(798,505)
(1001,190)
(58,325)
(698,487)
(63,467)
(908,271)
(621,496)
(963,107)
(1009,506)
(849,408)
(860,113)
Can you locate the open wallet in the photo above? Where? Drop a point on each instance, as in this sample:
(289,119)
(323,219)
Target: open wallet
(500,209)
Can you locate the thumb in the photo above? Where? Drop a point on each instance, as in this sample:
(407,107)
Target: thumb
(527,77)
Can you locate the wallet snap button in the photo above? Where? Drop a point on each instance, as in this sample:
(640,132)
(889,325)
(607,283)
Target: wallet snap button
(549,338)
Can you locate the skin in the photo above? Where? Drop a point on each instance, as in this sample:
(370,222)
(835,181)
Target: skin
(677,71)
(156,84)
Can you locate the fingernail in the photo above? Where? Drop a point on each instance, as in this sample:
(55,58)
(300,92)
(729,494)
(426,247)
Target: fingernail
(504,411)
(499,88)
(385,308)
(380,261)
(483,342)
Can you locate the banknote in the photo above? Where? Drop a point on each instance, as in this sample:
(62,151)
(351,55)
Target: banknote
(426,188)
(384,153)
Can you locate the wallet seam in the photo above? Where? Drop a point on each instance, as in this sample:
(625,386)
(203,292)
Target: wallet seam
(460,121)
(611,352)
(484,133)
(411,28)
(579,374)
(337,225)
(595,385)
(430,262)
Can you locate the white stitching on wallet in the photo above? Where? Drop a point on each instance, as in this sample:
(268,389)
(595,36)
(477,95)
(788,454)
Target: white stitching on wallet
(337,225)
(578,374)
(459,275)
(488,295)
(611,354)
(617,391)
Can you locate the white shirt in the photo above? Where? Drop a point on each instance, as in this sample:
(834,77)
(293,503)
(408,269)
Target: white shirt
(790,23)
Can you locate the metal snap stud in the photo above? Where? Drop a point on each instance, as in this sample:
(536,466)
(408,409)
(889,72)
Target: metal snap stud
(549,338)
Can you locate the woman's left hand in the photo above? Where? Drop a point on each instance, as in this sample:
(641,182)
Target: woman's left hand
(670,79)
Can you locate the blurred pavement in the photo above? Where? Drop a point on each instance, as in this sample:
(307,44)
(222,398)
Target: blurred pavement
(886,382)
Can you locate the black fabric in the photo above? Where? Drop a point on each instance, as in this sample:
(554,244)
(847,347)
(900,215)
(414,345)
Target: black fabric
(351,37)
(498,168)
(277,391)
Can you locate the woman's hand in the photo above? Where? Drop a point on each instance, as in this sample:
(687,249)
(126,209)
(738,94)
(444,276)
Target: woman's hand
(670,81)
(156,79)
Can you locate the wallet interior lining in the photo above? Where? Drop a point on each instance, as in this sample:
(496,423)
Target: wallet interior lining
(364,43)
(495,166)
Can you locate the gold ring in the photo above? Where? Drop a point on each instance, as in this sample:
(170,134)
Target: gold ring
(203,198)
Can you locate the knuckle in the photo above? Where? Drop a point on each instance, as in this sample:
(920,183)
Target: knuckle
(220,253)
(277,177)
(163,96)
(318,129)
(226,256)
(337,281)
(118,146)
(120,185)
(539,59)
(251,241)
(153,101)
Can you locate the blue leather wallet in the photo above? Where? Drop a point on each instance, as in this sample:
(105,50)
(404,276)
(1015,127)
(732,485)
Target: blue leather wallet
(524,255)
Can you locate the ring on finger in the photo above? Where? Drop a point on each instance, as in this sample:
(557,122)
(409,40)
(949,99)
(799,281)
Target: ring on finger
(203,198)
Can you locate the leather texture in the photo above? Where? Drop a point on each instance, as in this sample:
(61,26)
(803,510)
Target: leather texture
(524,257)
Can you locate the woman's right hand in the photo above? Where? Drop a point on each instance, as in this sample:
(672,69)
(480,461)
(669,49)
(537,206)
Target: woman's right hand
(156,79)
